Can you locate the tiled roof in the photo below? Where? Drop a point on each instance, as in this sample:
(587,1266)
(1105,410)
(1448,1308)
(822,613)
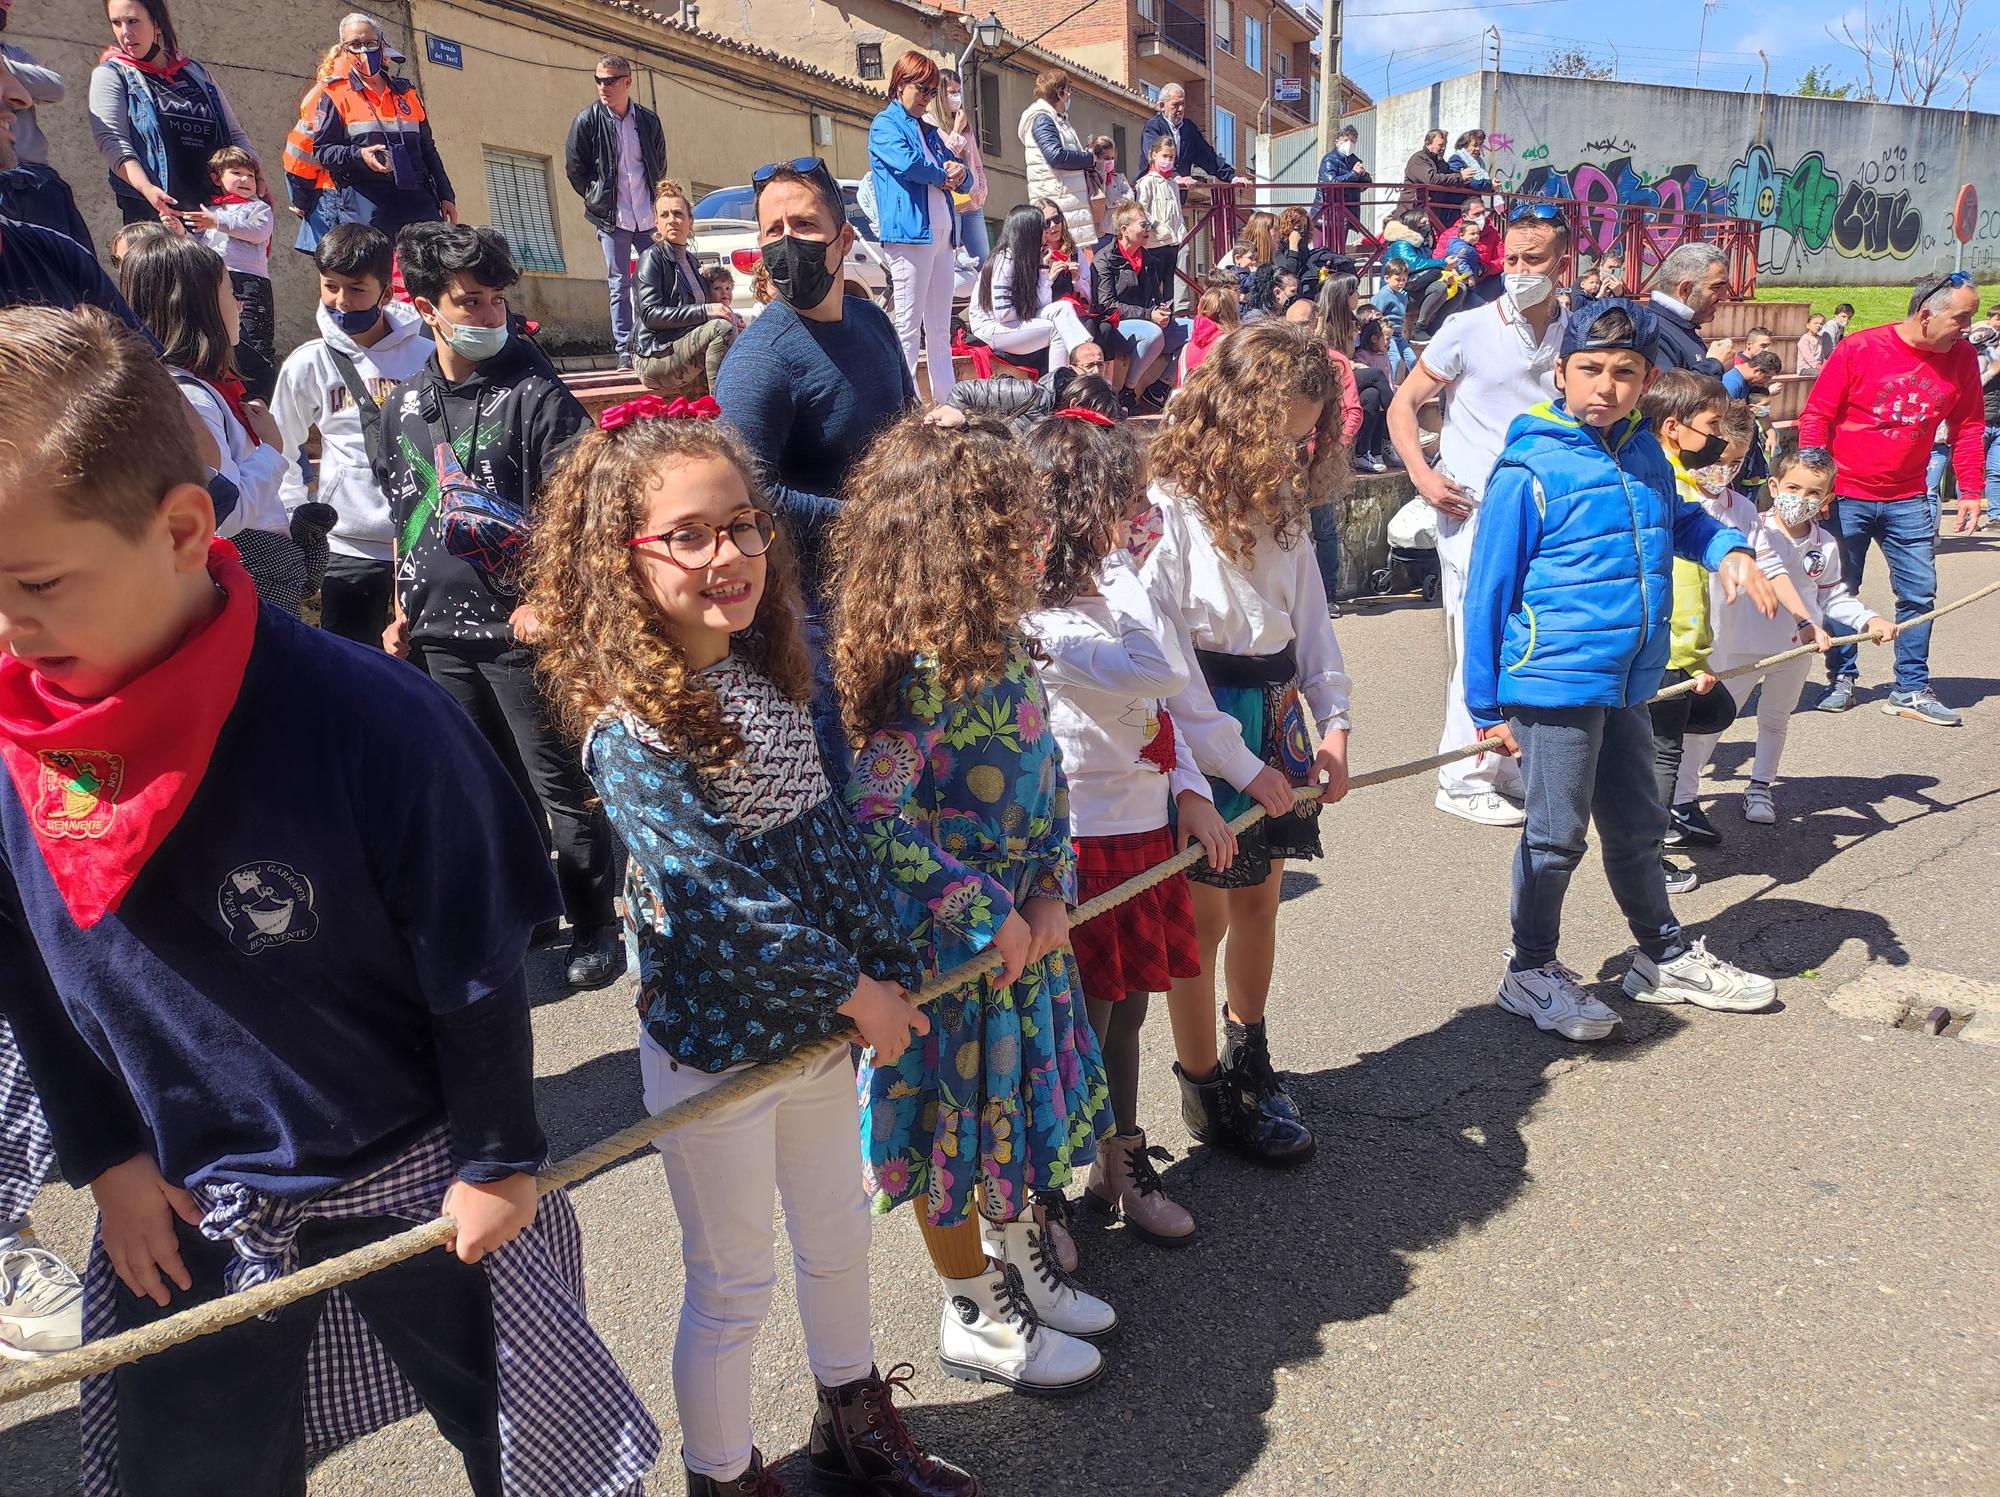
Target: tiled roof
(748,49)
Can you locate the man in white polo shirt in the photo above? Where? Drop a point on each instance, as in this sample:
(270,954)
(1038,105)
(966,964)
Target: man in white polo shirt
(1493,363)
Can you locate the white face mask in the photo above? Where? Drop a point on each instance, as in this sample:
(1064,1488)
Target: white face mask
(1346,148)
(954,102)
(1528,290)
(1795,509)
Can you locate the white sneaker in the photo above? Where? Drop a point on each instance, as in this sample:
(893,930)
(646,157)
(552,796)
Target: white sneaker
(1060,1302)
(990,1334)
(1699,977)
(41,1304)
(1554,998)
(1483,808)
(1757,805)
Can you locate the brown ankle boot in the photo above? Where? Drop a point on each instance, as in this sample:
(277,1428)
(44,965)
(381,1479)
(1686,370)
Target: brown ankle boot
(754,1482)
(1122,1183)
(860,1443)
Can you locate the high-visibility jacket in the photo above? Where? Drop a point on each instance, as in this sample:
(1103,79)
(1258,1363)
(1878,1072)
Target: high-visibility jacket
(357,111)
(305,178)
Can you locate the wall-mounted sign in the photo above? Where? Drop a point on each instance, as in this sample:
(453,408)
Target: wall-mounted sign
(446,54)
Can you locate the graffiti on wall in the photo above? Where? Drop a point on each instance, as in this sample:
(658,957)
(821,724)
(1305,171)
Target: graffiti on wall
(1806,207)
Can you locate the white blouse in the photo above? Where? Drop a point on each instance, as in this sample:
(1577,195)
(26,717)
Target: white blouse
(1226,609)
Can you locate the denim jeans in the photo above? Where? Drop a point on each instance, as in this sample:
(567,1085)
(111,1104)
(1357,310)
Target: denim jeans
(618,250)
(1580,764)
(1153,348)
(972,234)
(1992,471)
(1326,546)
(1906,530)
(1402,357)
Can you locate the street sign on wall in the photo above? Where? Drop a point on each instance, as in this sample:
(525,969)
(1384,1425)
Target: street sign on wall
(445,53)
(1288,90)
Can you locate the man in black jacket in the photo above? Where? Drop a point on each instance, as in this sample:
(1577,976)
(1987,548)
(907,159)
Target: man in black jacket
(1693,281)
(616,154)
(1192,152)
(466,445)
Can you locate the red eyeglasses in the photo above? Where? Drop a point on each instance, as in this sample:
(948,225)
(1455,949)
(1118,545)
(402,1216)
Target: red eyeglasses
(697,543)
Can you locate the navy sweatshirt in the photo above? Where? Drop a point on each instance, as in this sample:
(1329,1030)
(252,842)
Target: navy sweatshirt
(321,963)
(41,268)
(806,397)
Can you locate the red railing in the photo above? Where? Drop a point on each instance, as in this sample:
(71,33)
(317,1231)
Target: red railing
(1343,222)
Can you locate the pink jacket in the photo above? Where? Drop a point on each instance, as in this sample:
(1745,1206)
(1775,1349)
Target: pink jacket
(1350,397)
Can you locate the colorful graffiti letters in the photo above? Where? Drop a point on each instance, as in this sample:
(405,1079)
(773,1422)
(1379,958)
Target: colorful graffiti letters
(1603,190)
(1871,225)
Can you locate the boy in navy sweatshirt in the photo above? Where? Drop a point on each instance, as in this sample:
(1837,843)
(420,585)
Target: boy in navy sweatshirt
(1566,636)
(265,900)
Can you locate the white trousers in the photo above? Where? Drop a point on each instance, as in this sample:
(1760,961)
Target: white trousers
(1491,772)
(921,275)
(802,1140)
(1782,685)
(1058,329)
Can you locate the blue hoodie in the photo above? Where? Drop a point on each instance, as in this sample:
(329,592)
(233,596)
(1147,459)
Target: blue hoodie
(1571,587)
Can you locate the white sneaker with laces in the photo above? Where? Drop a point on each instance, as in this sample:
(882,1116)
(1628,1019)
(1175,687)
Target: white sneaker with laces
(1758,806)
(1554,998)
(41,1304)
(1483,808)
(1700,977)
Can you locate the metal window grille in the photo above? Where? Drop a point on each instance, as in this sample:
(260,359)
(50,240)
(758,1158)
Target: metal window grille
(517,192)
(868,59)
(989,113)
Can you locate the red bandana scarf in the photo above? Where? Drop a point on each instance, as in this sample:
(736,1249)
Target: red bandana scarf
(1136,258)
(170,69)
(234,393)
(104,782)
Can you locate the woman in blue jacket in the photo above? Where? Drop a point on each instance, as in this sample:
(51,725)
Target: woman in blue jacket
(914,175)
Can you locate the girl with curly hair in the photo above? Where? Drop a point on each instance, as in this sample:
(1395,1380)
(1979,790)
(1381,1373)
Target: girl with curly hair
(672,645)
(959,790)
(1247,449)
(1136,796)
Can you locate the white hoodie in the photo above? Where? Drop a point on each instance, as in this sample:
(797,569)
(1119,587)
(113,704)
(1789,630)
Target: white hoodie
(257,469)
(311,394)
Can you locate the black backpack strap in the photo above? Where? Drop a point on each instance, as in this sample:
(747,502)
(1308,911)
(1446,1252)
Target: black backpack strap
(364,403)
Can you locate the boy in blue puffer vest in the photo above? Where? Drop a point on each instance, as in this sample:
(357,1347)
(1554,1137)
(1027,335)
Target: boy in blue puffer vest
(1566,635)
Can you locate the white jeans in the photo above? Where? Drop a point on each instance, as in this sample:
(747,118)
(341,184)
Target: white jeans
(1058,329)
(1491,772)
(1782,685)
(921,275)
(802,1140)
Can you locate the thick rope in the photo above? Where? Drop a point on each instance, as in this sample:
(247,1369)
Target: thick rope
(232,1309)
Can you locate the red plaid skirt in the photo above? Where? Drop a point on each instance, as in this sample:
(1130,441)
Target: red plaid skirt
(1146,942)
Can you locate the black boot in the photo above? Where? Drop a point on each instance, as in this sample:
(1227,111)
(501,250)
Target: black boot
(596,957)
(754,1482)
(860,1444)
(1242,1107)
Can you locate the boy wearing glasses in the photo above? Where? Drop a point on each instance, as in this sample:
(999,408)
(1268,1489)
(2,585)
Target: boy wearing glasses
(466,447)
(616,152)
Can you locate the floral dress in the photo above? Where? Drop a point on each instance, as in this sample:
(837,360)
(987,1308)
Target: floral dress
(963,804)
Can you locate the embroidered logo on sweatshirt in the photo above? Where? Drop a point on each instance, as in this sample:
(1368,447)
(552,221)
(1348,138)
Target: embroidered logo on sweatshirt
(79,792)
(267,904)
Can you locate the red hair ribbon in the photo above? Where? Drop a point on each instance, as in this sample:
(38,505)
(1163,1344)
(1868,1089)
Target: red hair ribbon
(652,408)
(1078,413)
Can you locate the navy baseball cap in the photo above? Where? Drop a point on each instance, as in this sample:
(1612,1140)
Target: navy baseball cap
(1581,334)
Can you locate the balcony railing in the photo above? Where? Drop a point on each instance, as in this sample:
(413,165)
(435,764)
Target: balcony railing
(1180,28)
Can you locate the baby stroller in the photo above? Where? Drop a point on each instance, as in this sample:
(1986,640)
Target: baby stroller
(1413,557)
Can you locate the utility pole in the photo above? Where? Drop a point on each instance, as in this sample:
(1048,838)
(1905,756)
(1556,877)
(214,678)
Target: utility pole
(1331,102)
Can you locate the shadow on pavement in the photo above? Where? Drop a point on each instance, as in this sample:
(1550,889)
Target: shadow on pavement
(39,1457)
(589,1101)
(1417,1143)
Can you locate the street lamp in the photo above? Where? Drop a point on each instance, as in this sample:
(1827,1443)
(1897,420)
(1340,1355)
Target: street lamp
(985,37)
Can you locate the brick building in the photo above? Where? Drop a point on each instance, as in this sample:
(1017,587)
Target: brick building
(1227,54)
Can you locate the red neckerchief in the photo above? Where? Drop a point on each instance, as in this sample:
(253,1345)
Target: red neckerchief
(1136,258)
(169,70)
(234,392)
(104,782)
(229,197)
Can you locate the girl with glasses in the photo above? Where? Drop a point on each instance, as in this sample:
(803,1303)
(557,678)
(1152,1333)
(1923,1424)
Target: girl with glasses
(673,645)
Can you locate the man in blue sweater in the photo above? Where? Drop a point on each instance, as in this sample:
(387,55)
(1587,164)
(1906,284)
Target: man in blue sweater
(1566,635)
(810,381)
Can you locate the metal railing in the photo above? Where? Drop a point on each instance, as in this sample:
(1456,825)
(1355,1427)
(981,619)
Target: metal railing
(1180,28)
(1347,219)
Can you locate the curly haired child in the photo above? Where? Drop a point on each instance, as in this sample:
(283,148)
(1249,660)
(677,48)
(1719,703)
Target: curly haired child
(1250,445)
(1135,794)
(673,646)
(959,789)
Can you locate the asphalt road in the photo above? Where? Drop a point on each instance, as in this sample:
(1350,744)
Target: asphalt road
(1715,1254)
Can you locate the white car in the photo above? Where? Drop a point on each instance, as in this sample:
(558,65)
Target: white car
(725,232)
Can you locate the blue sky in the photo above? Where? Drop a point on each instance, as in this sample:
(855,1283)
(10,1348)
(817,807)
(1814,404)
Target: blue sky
(1408,43)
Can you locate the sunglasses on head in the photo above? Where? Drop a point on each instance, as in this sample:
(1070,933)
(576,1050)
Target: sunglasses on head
(814,167)
(1547,213)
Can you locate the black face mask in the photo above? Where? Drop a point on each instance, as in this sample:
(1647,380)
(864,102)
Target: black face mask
(798,270)
(1711,449)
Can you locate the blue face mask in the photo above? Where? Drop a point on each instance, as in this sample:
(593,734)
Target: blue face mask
(356,323)
(477,344)
(371,60)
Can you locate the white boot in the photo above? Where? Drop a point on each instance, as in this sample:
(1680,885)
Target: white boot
(1059,1302)
(990,1334)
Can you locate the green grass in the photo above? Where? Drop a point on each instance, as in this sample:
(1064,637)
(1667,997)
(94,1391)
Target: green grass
(1873,305)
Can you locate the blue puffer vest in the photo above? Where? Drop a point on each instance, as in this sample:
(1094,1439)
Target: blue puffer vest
(1572,570)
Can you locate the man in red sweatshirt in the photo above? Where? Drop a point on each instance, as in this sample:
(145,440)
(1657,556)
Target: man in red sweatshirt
(1881,395)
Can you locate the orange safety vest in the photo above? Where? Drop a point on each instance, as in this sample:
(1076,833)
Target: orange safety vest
(299,162)
(376,115)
